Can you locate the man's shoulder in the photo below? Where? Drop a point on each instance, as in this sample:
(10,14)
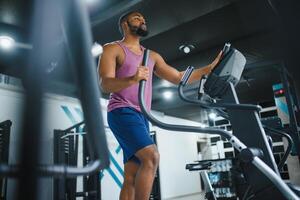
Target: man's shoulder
(154,54)
(111,45)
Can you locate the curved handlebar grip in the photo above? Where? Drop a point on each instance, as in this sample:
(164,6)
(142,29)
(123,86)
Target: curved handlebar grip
(145,63)
(145,57)
(188,72)
(226,48)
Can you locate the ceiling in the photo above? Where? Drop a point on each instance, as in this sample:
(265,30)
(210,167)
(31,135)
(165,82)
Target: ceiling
(265,31)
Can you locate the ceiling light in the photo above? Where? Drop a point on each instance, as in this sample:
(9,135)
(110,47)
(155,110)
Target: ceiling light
(6,42)
(186,48)
(202,125)
(96,49)
(212,116)
(167,94)
(91,2)
(93,6)
(165,83)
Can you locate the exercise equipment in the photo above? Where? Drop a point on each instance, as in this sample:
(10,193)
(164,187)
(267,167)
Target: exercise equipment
(5,127)
(248,138)
(66,151)
(273,126)
(67,15)
(203,166)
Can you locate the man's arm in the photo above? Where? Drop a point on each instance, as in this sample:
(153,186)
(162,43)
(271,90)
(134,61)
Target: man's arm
(165,71)
(107,71)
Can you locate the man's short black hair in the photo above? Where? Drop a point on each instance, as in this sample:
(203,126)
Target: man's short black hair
(123,18)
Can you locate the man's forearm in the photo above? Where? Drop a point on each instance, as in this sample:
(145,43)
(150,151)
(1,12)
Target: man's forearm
(198,73)
(110,85)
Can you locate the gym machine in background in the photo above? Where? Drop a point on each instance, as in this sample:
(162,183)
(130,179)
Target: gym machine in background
(288,108)
(155,193)
(70,148)
(5,127)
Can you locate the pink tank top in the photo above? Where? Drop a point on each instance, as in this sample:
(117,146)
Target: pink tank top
(128,97)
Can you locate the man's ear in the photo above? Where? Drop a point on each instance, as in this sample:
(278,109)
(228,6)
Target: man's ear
(126,23)
(123,25)
(122,28)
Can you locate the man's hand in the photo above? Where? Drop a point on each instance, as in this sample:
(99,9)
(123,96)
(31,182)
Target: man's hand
(216,61)
(142,73)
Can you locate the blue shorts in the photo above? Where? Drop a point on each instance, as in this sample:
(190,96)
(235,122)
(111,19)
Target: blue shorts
(131,129)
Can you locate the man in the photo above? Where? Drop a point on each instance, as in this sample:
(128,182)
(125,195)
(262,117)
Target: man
(120,71)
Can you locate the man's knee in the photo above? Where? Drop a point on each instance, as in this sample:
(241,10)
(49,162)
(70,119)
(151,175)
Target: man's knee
(149,157)
(155,158)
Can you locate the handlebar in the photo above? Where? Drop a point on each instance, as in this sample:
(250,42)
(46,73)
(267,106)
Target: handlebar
(188,72)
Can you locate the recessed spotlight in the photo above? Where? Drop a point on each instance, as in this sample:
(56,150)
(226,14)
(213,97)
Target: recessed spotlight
(212,116)
(6,42)
(93,5)
(165,83)
(96,49)
(167,94)
(186,48)
(91,2)
(202,125)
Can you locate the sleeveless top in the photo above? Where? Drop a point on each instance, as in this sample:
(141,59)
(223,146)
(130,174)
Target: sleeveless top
(128,97)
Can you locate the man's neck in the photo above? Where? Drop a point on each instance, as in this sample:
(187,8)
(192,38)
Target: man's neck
(131,40)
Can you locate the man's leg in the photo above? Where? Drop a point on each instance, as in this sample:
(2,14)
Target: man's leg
(130,171)
(149,158)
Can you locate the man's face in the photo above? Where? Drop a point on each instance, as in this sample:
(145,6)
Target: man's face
(137,24)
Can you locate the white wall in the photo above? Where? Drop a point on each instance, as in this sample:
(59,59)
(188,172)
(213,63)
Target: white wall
(60,113)
(176,149)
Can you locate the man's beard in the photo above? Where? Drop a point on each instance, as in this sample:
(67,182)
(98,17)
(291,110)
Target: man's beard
(138,30)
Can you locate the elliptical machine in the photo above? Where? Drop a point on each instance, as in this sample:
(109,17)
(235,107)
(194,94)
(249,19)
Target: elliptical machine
(248,138)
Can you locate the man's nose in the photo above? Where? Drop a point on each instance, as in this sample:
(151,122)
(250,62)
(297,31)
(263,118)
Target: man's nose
(142,21)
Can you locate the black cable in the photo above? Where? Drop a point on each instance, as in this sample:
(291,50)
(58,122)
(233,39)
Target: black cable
(289,147)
